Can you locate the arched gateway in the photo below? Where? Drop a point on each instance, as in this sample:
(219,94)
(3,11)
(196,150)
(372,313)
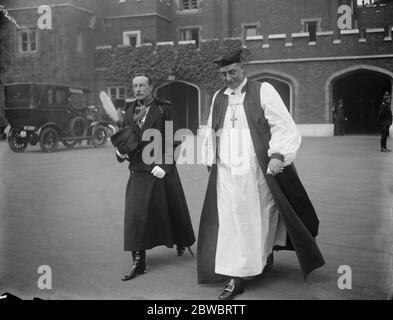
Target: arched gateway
(361,88)
(186,101)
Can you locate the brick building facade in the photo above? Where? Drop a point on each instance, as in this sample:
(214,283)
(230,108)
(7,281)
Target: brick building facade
(294,44)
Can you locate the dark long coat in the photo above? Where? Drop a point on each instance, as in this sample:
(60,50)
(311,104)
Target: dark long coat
(156,211)
(288,192)
(384,116)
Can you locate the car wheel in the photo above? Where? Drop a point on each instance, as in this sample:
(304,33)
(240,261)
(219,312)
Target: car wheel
(70,143)
(78,127)
(99,136)
(49,139)
(16,142)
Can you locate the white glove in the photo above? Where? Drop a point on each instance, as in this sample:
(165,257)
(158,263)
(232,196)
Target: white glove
(158,172)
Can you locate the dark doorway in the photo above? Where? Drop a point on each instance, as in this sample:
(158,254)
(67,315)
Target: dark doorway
(283,89)
(362,93)
(185,100)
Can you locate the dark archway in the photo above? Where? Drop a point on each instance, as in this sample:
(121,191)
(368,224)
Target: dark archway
(362,92)
(282,87)
(185,99)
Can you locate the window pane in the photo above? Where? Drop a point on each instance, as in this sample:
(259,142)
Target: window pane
(33,40)
(189,34)
(194,4)
(122,93)
(186,5)
(24,36)
(183,35)
(17,92)
(24,40)
(50,96)
(189,4)
(112,92)
(61,96)
(132,41)
(194,34)
(311,27)
(78,100)
(24,47)
(79,41)
(33,35)
(33,46)
(251,31)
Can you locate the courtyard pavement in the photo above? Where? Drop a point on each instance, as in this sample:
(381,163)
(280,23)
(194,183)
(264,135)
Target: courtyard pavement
(65,210)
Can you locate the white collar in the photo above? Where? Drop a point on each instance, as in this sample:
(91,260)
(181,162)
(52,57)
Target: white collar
(237,90)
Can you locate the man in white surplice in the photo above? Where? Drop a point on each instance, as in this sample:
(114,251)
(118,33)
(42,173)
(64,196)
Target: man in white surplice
(249,221)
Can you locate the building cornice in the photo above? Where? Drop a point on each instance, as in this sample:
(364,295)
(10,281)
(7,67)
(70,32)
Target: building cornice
(377,56)
(52,6)
(144,15)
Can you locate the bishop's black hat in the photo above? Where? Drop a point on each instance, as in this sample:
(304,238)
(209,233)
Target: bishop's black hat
(229,58)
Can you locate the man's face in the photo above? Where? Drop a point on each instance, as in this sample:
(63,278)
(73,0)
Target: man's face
(141,87)
(233,75)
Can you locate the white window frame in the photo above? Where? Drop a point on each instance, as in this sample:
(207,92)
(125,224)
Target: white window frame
(180,9)
(305,21)
(28,41)
(117,95)
(318,28)
(182,28)
(250,24)
(126,39)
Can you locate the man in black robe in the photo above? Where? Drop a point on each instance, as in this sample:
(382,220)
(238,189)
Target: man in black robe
(156,211)
(340,120)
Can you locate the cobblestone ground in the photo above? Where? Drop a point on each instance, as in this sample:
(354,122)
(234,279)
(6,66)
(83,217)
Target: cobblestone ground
(65,210)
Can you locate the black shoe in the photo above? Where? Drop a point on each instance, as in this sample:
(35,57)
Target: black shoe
(385,150)
(138,266)
(232,288)
(180,250)
(269,264)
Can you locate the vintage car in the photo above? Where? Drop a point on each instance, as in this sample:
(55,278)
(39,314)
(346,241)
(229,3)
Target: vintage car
(47,113)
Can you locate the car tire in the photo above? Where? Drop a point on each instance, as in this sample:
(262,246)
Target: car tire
(49,139)
(99,136)
(78,127)
(16,142)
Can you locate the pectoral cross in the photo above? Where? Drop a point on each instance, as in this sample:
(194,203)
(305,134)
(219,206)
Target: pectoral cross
(233,119)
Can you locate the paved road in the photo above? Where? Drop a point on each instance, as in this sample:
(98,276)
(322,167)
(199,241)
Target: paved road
(65,210)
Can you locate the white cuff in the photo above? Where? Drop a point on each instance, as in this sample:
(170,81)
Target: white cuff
(123,156)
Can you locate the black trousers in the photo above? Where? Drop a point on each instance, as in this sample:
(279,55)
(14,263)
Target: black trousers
(384,136)
(339,128)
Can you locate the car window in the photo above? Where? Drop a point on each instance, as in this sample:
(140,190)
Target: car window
(17,92)
(61,96)
(79,100)
(49,95)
